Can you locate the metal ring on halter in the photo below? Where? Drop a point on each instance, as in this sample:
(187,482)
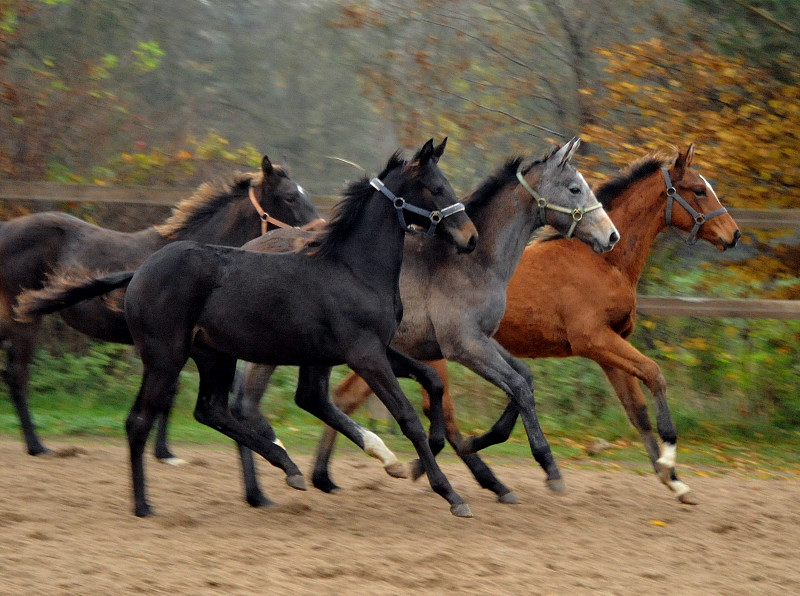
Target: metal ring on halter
(401,205)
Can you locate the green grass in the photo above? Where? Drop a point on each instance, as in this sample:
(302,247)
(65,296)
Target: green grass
(88,396)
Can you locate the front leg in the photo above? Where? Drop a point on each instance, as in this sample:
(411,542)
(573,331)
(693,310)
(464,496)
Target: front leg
(485,357)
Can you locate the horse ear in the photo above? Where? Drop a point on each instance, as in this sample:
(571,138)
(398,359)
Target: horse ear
(439,150)
(567,151)
(426,153)
(267,168)
(683,161)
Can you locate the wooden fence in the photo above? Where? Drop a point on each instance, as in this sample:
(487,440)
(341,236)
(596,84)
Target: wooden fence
(784,219)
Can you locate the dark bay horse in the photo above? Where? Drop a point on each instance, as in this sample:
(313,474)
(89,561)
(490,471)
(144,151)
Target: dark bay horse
(37,248)
(333,303)
(548,313)
(453,304)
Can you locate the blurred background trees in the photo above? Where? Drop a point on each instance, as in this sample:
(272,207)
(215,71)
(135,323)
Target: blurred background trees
(172,93)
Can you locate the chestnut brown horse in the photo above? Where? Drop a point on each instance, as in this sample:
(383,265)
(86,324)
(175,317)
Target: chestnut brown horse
(35,249)
(549,314)
(452,304)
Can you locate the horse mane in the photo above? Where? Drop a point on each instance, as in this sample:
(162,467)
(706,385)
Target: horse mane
(208,199)
(641,168)
(348,210)
(505,174)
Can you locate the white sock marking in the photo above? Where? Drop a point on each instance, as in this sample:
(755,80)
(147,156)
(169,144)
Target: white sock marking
(374,446)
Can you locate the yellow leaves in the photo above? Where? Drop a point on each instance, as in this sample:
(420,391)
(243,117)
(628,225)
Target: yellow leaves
(657,522)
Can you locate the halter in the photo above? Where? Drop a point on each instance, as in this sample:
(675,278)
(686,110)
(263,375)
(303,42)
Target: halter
(577,213)
(699,218)
(266,218)
(401,205)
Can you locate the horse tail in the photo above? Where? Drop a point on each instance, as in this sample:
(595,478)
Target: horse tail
(67,290)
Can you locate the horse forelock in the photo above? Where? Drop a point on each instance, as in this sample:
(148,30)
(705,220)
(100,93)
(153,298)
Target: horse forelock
(207,200)
(641,168)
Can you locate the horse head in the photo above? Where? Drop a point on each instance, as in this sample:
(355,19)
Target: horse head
(277,197)
(565,200)
(693,206)
(424,198)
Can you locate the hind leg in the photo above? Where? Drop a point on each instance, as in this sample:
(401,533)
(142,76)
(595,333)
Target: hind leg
(313,396)
(248,388)
(632,399)
(216,375)
(348,396)
(378,374)
(17,375)
(151,401)
(161,446)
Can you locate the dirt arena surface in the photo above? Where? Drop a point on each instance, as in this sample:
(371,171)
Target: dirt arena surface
(66,527)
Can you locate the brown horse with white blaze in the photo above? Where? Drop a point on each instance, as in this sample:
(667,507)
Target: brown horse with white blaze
(548,314)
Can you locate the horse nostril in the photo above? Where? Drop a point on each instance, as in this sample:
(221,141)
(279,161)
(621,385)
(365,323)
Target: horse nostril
(737,235)
(613,239)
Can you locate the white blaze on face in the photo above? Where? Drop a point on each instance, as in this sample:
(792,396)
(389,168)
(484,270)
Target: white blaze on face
(708,186)
(301,190)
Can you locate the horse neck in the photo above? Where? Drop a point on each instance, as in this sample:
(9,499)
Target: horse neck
(373,249)
(505,230)
(639,215)
(231,225)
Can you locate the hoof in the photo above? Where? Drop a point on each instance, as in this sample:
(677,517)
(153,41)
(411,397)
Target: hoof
(556,485)
(508,499)
(396,470)
(172,461)
(325,484)
(260,501)
(145,511)
(688,499)
(461,510)
(296,481)
(40,450)
(417,471)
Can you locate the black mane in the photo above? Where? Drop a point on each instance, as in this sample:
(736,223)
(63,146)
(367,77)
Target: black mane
(348,210)
(611,189)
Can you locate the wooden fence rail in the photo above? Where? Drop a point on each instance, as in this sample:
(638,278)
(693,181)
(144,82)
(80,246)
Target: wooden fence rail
(763,219)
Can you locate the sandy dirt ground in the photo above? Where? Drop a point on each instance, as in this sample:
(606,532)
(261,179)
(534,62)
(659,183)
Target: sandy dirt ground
(66,527)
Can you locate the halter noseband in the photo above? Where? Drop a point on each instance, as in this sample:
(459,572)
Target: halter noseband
(266,218)
(577,213)
(699,218)
(401,205)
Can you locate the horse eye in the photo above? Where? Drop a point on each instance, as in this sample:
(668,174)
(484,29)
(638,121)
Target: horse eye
(700,192)
(576,190)
(437,191)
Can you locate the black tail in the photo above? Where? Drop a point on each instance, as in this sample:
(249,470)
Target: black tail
(63,292)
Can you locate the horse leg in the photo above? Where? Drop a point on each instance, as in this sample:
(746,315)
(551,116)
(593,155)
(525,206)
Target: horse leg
(151,401)
(17,375)
(216,375)
(611,351)
(378,374)
(351,393)
(484,356)
(248,388)
(632,399)
(482,472)
(433,387)
(161,447)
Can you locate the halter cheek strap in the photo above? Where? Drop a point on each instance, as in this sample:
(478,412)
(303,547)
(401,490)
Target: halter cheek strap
(401,205)
(577,213)
(699,218)
(266,218)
